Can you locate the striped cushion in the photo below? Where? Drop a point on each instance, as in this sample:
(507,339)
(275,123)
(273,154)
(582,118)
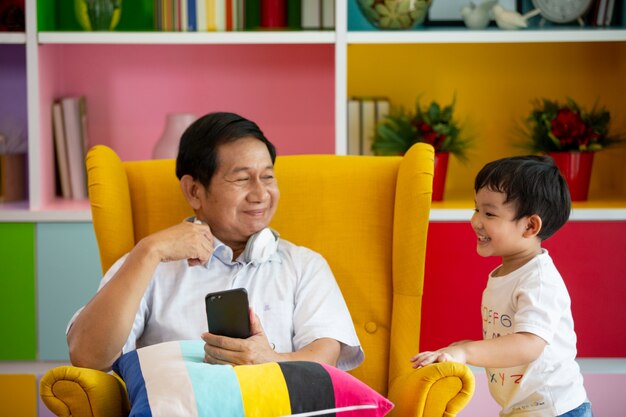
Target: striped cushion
(170,379)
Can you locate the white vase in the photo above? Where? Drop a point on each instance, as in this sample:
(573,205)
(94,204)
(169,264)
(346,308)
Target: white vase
(167,145)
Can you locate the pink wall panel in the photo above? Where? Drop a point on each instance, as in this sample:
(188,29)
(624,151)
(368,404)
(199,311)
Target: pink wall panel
(591,257)
(287,89)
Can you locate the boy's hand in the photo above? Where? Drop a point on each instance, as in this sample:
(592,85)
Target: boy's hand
(448,354)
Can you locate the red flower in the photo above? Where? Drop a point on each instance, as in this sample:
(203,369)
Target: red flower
(568,127)
(429,135)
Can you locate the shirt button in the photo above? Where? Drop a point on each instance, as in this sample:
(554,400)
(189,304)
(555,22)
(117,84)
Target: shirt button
(371,327)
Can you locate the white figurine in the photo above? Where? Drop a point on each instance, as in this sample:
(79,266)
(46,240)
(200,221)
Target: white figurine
(509,19)
(477,17)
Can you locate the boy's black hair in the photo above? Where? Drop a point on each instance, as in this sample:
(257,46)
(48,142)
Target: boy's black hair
(197,152)
(534,185)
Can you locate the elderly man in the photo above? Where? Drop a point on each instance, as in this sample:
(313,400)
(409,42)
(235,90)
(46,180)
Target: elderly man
(155,293)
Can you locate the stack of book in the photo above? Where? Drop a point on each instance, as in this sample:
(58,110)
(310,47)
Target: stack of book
(69,119)
(364,113)
(233,15)
(603,13)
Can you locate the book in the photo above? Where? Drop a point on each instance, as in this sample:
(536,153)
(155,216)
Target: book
(191,16)
(60,150)
(368,125)
(354,126)
(273,14)
(201,18)
(294,14)
(328,14)
(252,14)
(73,124)
(364,114)
(311,17)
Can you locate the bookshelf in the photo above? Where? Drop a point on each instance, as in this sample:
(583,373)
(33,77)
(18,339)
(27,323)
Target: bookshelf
(69,62)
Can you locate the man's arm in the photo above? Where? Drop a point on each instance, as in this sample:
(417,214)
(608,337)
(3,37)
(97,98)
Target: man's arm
(99,333)
(500,352)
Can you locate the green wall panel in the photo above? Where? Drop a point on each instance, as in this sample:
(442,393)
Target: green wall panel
(68,274)
(17,286)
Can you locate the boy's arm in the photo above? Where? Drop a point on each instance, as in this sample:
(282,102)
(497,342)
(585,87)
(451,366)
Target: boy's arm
(501,352)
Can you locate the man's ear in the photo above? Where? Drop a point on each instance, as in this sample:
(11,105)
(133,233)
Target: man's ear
(191,190)
(533,226)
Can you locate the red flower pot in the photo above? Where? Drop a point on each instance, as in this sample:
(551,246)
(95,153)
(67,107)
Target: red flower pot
(576,169)
(439,179)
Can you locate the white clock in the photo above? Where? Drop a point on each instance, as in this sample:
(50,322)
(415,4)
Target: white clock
(563,11)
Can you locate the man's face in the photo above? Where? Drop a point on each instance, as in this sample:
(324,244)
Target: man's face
(242,196)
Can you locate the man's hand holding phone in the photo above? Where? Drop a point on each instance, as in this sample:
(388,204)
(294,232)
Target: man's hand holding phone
(256,349)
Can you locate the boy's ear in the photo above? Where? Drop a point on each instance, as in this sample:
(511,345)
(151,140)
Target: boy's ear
(191,190)
(533,226)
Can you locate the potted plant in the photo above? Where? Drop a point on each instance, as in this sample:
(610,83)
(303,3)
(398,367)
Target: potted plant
(432,124)
(571,136)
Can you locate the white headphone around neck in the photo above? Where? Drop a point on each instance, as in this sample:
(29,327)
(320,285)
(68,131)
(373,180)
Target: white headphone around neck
(261,246)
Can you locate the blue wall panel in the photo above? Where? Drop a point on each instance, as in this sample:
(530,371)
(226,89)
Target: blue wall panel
(68,274)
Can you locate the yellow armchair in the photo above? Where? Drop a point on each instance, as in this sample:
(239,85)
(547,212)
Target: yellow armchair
(368,216)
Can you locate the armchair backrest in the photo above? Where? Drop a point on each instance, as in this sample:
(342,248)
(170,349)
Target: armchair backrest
(368,216)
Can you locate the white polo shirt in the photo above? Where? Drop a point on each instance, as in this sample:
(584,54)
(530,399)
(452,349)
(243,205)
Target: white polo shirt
(294,293)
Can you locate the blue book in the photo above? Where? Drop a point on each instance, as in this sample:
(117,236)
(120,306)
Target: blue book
(191,16)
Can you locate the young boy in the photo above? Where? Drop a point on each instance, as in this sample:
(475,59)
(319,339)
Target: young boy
(529,344)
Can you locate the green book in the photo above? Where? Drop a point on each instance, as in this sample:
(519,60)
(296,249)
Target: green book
(294,11)
(252,15)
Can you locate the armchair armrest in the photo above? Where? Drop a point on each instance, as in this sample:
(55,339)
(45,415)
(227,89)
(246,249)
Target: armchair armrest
(440,389)
(70,391)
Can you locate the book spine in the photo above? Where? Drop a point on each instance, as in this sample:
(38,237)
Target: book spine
(273,14)
(354,126)
(201,20)
(252,14)
(61,150)
(328,14)
(191,16)
(75,147)
(311,18)
(294,14)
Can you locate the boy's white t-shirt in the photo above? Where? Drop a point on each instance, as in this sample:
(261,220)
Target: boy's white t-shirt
(534,299)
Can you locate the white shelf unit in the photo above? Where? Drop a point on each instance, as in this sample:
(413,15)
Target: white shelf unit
(12,38)
(340,38)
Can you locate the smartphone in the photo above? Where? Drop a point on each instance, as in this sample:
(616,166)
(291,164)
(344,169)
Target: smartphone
(227,313)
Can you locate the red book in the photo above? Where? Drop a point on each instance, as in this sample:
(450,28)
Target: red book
(273,14)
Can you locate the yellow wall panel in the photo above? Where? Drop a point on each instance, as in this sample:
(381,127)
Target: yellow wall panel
(494,86)
(18,395)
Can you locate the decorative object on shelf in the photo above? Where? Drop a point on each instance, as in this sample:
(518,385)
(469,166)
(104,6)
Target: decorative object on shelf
(394,14)
(432,124)
(563,11)
(477,16)
(98,14)
(570,135)
(13,147)
(511,20)
(175,124)
(12,16)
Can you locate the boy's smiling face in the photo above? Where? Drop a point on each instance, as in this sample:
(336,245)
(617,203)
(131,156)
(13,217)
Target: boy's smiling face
(499,234)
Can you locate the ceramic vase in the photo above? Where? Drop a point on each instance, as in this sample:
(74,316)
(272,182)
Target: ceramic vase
(167,145)
(394,14)
(98,14)
(576,169)
(439,177)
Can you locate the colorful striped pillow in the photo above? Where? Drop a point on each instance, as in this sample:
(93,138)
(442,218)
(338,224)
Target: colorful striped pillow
(170,379)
